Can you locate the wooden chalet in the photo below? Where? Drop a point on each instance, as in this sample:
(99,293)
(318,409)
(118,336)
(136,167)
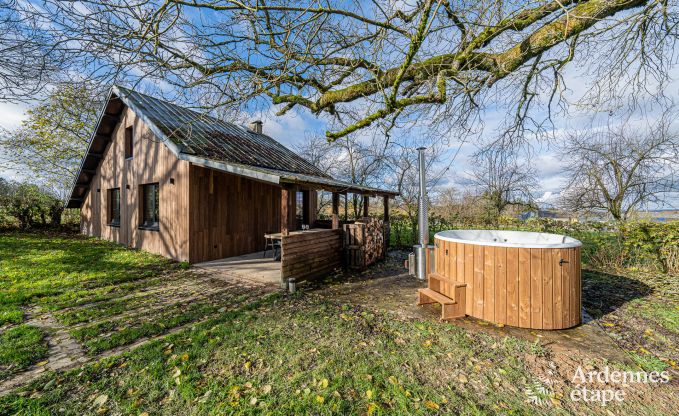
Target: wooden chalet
(172,181)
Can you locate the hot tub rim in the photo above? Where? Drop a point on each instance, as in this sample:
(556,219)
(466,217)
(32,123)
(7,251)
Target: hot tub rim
(571,244)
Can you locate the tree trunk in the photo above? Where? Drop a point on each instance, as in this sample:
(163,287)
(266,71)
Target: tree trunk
(56,211)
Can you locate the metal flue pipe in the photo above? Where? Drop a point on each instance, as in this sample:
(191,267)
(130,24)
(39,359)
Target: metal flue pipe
(422,219)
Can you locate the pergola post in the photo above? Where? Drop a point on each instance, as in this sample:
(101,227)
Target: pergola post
(346,206)
(288,209)
(366,202)
(313,207)
(306,207)
(387,227)
(335,210)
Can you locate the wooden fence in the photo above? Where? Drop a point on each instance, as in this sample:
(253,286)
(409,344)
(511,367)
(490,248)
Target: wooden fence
(309,254)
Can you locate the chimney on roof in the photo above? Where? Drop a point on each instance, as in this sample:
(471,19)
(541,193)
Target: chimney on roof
(256,126)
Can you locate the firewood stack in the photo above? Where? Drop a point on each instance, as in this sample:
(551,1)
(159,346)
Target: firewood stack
(373,245)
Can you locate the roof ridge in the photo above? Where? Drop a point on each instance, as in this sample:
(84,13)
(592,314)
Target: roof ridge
(201,114)
(169,102)
(215,138)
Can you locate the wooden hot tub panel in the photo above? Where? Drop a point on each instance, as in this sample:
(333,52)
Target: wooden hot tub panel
(537,288)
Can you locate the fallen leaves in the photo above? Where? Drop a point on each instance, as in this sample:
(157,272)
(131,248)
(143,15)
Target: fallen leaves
(100,400)
(176,374)
(431,405)
(205,397)
(323,384)
(372,407)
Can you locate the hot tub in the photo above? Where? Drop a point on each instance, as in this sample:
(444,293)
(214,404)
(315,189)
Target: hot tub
(522,279)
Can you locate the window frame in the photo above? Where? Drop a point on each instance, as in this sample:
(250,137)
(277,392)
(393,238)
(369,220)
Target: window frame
(144,222)
(111,220)
(129,142)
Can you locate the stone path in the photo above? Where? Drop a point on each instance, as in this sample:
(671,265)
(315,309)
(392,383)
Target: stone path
(65,352)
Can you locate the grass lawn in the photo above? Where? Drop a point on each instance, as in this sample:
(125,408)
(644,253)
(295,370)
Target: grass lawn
(640,311)
(56,271)
(319,352)
(94,288)
(20,347)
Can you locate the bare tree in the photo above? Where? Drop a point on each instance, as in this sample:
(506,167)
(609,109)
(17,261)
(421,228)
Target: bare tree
(323,155)
(358,63)
(502,179)
(29,59)
(460,206)
(404,177)
(621,168)
(361,162)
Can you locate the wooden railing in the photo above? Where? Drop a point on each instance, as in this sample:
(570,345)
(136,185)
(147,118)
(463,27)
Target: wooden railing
(310,254)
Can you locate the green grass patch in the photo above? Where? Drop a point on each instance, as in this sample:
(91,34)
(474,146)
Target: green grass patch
(11,314)
(663,314)
(648,362)
(123,333)
(21,347)
(301,357)
(57,271)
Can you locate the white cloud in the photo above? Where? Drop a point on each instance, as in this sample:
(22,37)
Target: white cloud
(11,115)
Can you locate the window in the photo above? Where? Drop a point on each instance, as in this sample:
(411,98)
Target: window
(114,207)
(299,209)
(129,142)
(302,209)
(150,200)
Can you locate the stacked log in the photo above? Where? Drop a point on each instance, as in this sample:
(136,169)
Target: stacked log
(364,242)
(373,247)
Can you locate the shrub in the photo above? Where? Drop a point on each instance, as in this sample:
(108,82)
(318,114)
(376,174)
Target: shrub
(653,243)
(29,205)
(606,246)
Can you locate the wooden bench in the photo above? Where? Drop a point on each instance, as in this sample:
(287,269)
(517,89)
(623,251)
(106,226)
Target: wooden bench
(451,308)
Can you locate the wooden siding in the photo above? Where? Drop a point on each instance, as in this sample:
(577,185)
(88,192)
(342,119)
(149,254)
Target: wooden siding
(309,254)
(152,162)
(230,214)
(524,287)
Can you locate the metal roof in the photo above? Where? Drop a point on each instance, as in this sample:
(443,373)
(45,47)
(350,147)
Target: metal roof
(205,141)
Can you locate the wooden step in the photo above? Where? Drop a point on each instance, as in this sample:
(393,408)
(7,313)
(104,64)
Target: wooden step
(442,279)
(450,308)
(448,287)
(434,297)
